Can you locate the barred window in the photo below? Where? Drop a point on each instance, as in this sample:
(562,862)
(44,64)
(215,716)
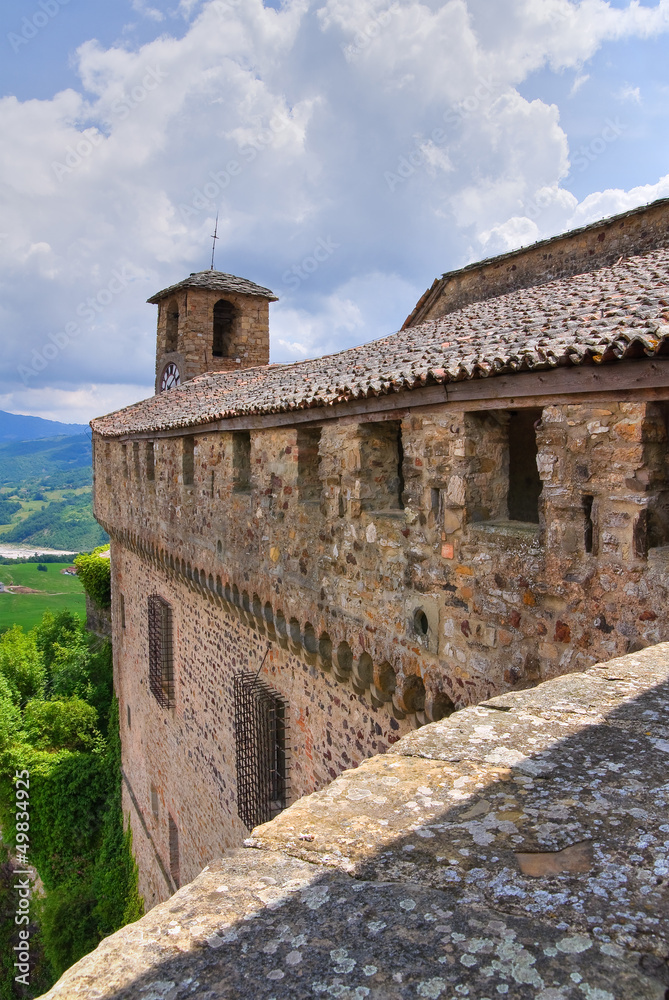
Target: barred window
(261,750)
(161,671)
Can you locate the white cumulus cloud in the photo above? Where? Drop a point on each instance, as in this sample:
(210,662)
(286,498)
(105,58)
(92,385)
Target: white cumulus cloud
(397,133)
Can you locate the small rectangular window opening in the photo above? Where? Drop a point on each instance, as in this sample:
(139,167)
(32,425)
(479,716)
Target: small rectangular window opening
(524,482)
(241,461)
(188,460)
(261,750)
(124,461)
(150,462)
(161,668)
(640,531)
(154,802)
(308,481)
(122,609)
(588,531)
(108,470)
(136,462)
(174,852)
(129,716)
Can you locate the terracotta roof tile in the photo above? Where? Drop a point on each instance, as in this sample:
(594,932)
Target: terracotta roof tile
(616,312)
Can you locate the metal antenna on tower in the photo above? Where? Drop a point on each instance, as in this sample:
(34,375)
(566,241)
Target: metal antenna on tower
(213,245)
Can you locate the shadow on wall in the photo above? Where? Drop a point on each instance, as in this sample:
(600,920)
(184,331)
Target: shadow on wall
(518,849)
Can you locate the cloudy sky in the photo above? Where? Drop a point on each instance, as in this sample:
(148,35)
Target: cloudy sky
(406,138)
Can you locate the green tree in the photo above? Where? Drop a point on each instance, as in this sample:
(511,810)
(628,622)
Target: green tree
(10,716)
(77,839)
(70,667)
(61,724)
(56,630)
(21,663)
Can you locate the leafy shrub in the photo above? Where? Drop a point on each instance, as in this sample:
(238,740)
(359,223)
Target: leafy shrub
(61,724)
(95,575)
(76,663)
(10,716)
(115,873)
(21,663)
(68,923)
(41,568)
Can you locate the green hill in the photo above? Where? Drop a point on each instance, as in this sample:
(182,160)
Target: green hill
(52,463)
(45,494)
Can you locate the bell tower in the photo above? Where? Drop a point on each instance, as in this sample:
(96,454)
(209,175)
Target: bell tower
(210,322)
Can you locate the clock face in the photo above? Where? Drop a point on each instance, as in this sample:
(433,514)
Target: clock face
(170,378)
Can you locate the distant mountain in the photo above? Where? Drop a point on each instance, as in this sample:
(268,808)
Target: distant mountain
(16,427)
(45,493)
(46,463)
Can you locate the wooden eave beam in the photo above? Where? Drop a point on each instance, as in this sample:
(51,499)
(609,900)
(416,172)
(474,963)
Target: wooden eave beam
(647,379)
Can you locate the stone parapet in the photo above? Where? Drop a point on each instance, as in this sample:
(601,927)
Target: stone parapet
(518,848)
(383,549)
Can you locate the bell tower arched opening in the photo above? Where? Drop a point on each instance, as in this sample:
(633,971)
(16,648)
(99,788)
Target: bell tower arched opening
(172,326)
(225,315)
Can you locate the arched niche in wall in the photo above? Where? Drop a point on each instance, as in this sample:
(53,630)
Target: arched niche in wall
(224,323)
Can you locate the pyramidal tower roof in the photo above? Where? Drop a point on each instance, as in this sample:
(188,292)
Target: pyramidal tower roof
(218,281)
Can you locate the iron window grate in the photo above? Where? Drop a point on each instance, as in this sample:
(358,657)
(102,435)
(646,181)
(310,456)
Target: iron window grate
(161,669)
(262,753)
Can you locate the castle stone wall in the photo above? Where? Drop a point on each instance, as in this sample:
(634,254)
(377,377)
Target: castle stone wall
(185,754)
(585,249)
(377,561)
(505,603)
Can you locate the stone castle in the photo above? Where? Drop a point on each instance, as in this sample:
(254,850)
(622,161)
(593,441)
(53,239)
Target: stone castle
(312,560)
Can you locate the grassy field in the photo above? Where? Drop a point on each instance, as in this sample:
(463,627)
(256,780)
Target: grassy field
(57,592)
